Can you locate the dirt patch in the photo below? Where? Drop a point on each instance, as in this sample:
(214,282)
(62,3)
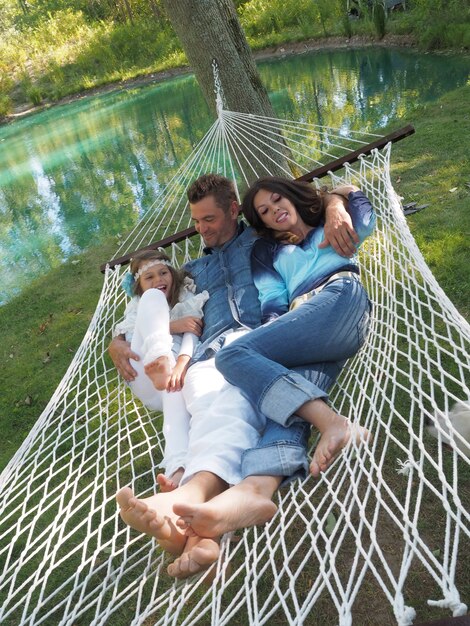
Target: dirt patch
(273,52)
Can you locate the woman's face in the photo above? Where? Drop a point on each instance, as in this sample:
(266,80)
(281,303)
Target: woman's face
(275,211)
(157,277)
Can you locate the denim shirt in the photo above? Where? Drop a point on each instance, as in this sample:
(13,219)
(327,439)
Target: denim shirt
(225,273)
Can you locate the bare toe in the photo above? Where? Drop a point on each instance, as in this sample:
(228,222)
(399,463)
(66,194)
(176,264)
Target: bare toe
(204,554)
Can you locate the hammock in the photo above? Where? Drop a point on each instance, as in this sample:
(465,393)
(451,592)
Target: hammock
(384,531)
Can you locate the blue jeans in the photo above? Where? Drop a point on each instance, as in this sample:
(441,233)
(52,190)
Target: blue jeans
(281,366)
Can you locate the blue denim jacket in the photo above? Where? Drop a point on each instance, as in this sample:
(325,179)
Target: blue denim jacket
(226,274)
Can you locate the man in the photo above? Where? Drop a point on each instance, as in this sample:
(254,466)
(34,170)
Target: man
(223,424)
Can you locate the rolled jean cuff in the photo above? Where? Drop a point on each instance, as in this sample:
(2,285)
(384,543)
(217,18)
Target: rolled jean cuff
(296,390)
(276,459)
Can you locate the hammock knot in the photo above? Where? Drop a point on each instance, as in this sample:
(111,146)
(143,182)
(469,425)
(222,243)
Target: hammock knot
(451,601)
(404,467)
(406,617)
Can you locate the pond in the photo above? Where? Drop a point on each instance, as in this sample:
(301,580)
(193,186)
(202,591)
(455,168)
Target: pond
(82,173)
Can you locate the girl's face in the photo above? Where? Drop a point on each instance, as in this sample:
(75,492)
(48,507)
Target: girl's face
(157,277)
(276,212)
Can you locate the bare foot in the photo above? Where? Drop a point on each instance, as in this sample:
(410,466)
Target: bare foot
(170,483)
(198,556)
(338,435)
(159,372)
(153,516)
(239,507)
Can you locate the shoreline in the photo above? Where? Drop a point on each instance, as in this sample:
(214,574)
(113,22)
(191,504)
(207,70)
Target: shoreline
(272,52)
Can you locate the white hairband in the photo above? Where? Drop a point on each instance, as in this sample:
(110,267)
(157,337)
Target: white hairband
(148,265)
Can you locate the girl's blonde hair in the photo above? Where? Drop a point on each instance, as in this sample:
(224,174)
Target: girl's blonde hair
(155,255)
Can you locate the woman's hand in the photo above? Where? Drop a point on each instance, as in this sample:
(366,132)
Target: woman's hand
(178,374)
(339,231)
(187,325)
(120,352)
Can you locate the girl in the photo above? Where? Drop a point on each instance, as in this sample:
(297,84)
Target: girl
(160,293)
(313,296)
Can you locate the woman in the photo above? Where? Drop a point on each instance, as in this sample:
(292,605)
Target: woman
(314,308)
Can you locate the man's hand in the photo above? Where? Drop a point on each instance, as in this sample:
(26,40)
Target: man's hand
(339,231)
(187,325)
(120,352)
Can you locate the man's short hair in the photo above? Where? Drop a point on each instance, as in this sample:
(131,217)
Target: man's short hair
(220,187)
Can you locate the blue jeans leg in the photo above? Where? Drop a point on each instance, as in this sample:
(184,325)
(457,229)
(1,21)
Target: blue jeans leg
(281,450)
(330,327)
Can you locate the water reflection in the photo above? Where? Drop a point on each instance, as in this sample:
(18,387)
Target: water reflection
(78,174)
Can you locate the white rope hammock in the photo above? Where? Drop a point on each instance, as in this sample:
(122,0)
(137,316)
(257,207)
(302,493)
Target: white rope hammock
(360,540)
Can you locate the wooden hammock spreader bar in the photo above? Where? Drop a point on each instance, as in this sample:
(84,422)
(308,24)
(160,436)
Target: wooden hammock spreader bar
(352,157)
(319,172)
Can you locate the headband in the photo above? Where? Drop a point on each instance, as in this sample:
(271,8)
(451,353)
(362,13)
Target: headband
(148,265)
(129,280)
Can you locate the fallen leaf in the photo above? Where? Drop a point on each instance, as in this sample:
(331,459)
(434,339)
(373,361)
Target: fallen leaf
(453,189)
(11,356)
(44,325)
(47,358)
(398,180)
(330,523)
(28,400)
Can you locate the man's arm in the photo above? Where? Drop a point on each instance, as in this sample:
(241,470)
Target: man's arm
(339,231)
(120,352)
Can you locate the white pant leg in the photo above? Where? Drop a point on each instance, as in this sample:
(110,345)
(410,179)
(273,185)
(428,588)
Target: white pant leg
(142,387)
(152,323)
(176,431)
(223,423)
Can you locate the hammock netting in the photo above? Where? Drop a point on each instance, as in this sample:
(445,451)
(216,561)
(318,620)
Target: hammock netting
(383,533)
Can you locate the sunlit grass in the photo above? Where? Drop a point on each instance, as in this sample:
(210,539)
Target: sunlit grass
(66,53)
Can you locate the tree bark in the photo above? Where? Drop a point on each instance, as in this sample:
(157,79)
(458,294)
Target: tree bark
(208,30)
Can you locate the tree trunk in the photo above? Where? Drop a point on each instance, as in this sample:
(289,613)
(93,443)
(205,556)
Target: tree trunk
(208,30)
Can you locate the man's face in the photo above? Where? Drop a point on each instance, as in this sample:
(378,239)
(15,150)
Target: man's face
(215,226)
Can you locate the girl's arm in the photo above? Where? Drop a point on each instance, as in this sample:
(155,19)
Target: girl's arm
(272,290)
(188,345)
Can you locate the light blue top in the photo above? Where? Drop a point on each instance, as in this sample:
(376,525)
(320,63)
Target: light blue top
(226,274)
(282,272)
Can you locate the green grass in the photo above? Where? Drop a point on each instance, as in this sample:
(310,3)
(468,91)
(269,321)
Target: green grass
(433,167)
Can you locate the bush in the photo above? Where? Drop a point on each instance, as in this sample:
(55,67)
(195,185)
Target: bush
(34,95)
(261,17)
(379,16)
(5,105)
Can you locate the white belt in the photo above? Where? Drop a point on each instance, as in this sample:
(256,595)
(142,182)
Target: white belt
(306,296)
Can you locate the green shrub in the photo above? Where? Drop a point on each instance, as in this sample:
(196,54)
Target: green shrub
(34,95)
(379,17)
(5,105)
(261,17)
